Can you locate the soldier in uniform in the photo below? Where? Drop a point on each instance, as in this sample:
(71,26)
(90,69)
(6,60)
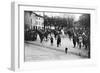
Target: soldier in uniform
(58,40)
(51,39)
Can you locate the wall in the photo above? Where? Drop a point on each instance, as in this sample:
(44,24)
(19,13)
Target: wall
(5,35)
(27,18)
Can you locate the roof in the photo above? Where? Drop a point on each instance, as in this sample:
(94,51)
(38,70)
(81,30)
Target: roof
(37,15)
(34,13)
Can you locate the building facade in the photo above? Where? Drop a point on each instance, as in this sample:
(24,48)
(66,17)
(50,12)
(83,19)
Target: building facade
(33,20)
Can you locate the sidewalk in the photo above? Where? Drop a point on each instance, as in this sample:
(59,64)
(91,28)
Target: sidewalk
(65,43)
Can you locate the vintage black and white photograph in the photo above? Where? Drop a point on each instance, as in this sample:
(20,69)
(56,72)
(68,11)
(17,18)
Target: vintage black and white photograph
(52,35)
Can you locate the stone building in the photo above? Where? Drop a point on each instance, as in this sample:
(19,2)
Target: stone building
(33,20)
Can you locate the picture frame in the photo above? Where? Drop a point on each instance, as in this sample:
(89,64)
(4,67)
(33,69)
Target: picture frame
(17,34)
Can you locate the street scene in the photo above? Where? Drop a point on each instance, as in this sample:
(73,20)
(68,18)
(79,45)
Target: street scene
(56,36)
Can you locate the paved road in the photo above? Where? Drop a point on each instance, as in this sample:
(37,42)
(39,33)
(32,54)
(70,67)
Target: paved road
(37,53)
(34,50)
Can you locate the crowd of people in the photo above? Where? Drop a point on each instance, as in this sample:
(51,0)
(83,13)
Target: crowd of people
(58,40)
(53,34)
(80,37)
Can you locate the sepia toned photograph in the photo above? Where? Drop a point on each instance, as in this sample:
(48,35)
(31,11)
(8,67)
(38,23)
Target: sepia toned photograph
(56,36)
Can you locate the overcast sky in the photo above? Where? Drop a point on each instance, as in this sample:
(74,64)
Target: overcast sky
(62,15)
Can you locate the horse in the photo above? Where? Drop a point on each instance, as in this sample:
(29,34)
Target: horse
(43,34)
(55,32)
(46,33)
